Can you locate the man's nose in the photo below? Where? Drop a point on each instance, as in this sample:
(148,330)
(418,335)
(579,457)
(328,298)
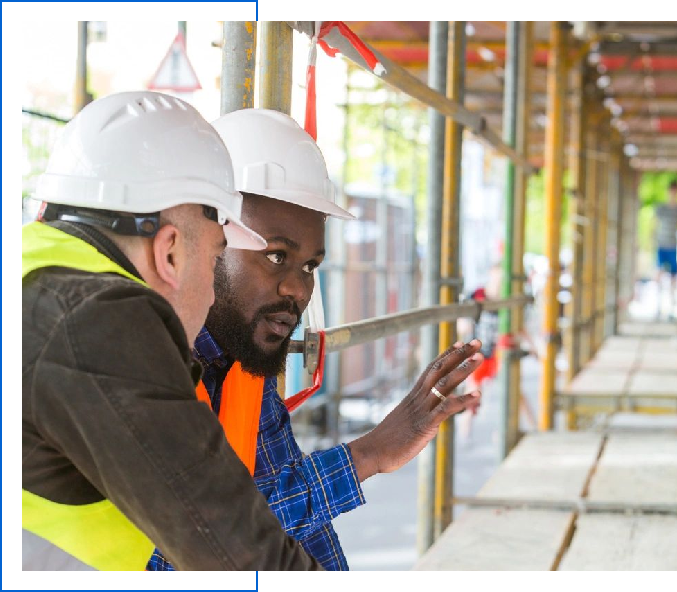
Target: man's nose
(296,287)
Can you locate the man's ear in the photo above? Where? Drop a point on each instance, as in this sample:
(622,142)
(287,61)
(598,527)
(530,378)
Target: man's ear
(169,254)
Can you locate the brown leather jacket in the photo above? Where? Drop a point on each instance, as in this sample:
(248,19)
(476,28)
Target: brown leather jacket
(109,411)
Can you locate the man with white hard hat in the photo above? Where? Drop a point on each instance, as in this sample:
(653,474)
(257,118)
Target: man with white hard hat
(260,297)
(117,281)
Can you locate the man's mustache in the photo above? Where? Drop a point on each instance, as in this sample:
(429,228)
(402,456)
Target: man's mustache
(283,306)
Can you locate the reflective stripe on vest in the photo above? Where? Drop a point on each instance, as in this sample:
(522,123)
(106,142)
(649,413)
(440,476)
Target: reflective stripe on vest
(96,535)
(49,557)
(240,411)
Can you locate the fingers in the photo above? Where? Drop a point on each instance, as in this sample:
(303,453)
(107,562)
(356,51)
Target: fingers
(425,373)
(453,367)
(452,405)
(457,346)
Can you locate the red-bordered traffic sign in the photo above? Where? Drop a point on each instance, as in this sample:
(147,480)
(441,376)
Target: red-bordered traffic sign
(175,72)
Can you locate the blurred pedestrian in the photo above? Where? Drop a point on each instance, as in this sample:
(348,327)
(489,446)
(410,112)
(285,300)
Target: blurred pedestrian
(665,237)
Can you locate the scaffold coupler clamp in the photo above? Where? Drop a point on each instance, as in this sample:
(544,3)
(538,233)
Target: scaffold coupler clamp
(478,310)
(511,346)
(555,337)
(313,359)
(311,350)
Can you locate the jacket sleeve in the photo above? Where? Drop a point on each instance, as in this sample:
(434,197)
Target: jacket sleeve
(116,399)
(305,492)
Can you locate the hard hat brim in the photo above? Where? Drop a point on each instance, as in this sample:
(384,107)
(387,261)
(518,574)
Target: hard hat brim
(240,236)
(305,200)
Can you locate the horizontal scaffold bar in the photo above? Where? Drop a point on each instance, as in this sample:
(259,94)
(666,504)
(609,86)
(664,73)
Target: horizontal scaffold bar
(399,78)
(344,336)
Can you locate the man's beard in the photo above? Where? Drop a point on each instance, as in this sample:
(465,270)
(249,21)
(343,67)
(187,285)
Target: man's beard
(235,336)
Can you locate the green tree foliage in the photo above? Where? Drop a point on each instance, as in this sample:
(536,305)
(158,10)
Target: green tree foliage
(653,190)
(535,215)
(384,144)
(536,227)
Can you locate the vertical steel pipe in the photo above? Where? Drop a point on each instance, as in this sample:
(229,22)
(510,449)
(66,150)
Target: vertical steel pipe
(238,65)
(450,265)
(589,254)
(275,66)
(508,401)
(82,96)
(603,218)
(554,156)
(437,75)
(615,228)
(577,215)
(524,72)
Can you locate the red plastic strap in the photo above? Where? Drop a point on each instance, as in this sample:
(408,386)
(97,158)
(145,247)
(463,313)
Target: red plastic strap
(41,211)
(355,41)
(506,341)
(311,111)
(299,398)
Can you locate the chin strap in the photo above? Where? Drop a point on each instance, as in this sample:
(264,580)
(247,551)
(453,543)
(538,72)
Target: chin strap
(299,398)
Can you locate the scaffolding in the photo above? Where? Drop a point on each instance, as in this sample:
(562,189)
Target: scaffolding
(547,67)
(602,214)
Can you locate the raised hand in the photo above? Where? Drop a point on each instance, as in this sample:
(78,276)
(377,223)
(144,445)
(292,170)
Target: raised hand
(406,430)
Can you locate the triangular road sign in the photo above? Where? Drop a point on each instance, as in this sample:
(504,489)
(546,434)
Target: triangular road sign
(175,72)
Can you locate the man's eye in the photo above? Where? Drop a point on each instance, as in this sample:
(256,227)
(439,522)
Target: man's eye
(276,258)
(309,267)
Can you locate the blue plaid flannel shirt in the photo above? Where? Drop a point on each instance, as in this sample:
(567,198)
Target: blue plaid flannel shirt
(305,492)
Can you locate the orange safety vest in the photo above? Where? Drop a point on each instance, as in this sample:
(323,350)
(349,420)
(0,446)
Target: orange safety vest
(241,398)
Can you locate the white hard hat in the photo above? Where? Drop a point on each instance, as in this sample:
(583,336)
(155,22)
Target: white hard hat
(274,157)
(143,152)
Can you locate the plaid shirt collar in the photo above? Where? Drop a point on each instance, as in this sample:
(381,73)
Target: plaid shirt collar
(215,364)
(208,352)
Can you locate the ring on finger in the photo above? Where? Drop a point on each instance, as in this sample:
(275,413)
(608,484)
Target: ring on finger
(438,394)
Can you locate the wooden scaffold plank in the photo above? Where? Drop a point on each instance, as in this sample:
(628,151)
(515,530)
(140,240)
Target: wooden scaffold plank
(636,469)
(628,543)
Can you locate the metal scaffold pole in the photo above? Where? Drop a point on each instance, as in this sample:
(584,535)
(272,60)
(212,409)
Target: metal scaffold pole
(82,96)
(509,401)
(577,216)
(238,65)
(275,67)
(437,73)
(615,216)
(602,218)
(554,154)
(524,70)
(589,255)
(450,264)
